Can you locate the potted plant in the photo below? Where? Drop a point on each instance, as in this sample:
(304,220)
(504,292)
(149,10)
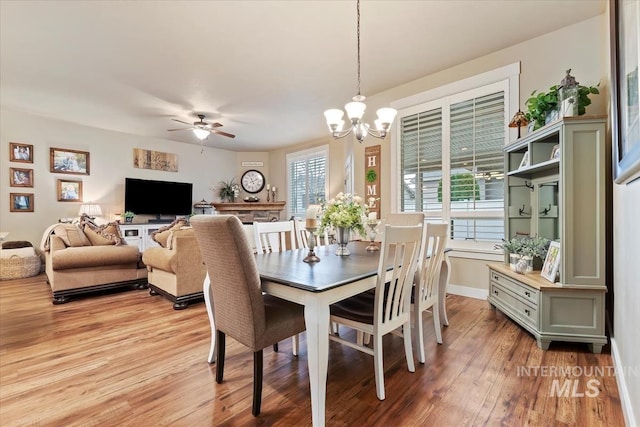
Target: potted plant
(542,104)
(511,249)
(128,216)
(533,251)
(229,190)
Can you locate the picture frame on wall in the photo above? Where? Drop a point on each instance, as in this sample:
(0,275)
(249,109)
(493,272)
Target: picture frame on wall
(551,262)
(20,152)
(62,160)
(625,90)
(69,190)
(20,202)
(20,177)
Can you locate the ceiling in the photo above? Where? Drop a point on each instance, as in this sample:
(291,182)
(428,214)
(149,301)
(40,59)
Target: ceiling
(264,69)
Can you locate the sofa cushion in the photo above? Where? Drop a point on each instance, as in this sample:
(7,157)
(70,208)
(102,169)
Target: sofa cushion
(162,234)
(94,256)
(101,235)
(71,235)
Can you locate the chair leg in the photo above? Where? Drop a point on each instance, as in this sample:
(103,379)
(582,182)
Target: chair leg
(275,347)
(220,361)
(295,343)
(408,351)
(419,334)
(436,322)
(378,366)
(257,382)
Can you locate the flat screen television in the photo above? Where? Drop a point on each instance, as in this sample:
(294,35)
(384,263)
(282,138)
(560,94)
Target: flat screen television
(148,197)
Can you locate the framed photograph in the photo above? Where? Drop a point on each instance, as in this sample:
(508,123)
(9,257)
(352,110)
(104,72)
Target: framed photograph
(20,177)
(625,91)
(69,191)
(555,153)
(69,161)
(20,202)
(525,160)
(551,262)
(20,152)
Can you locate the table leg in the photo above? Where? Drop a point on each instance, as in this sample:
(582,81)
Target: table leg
(316,316)
(445,272)
(206,289)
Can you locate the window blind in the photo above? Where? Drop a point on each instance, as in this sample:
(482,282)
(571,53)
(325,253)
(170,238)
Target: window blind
(306,181)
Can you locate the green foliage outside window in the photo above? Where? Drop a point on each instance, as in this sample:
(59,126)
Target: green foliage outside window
(463,187)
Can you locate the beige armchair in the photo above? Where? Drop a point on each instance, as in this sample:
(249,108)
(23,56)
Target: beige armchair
(176,271)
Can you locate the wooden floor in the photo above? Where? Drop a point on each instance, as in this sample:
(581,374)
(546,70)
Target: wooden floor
(129,359)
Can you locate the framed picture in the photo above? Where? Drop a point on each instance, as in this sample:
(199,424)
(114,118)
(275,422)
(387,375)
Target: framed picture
(69,161)
(20,152)
(551,262)
(555,153)
(525,160)
(69,191)
(625,91)
(20,177)
(21,202)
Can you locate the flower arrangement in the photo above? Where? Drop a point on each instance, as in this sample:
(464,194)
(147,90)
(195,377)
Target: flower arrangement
(345,210)
(229,190)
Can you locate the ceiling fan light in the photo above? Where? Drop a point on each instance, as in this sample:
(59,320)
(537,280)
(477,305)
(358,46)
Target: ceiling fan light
(201,134)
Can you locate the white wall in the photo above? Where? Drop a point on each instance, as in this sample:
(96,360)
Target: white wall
(626,316)
(111,160)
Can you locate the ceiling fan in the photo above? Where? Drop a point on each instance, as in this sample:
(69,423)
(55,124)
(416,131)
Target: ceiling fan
(202,129)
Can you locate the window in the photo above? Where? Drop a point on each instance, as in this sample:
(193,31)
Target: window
(306,172)
(450,159)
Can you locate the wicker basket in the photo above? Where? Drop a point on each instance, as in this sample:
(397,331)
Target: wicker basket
(18,267)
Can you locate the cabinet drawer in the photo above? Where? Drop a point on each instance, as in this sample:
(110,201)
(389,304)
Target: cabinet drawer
(514,306)
(530,294)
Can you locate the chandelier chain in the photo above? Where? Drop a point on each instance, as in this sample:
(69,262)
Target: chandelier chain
(358,36)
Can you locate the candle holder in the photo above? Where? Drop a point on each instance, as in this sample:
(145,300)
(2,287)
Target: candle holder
(273,195)
(372,225)
(268,195)
(311,256)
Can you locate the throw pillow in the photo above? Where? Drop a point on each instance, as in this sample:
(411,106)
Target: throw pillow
(162,234)
(107,234)
(71,235)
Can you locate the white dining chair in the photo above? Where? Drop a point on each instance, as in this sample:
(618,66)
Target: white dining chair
(274,236)
(425,290)
(388,309)
(302,235)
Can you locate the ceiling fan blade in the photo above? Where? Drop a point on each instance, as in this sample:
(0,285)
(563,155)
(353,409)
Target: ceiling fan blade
(219,132)
(169,130)
(215,125)
(180,121)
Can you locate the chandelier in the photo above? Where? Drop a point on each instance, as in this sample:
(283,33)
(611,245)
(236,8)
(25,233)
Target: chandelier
(355,111)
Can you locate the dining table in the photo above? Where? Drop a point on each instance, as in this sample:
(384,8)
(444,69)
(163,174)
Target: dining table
(316,286)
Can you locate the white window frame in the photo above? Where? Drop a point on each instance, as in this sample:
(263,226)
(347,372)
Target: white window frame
(303,155)
(506,78)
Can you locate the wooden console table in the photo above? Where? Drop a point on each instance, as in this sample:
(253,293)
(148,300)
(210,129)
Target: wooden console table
(250,212)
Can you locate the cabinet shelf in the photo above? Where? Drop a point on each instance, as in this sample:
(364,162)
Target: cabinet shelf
(529,171)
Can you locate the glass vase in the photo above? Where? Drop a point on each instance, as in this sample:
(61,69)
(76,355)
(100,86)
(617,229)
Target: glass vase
(342,238)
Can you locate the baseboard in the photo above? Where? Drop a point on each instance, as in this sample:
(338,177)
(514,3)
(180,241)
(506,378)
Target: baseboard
(623,391)
(466,291)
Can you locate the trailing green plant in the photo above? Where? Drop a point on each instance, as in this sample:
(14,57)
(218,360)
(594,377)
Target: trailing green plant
(539,105)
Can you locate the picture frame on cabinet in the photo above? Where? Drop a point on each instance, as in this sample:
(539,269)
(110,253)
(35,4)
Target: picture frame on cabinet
(551,262)
(20,152)
(625,90)
(525,160)
(20,177)
(62,160)
(555,153)
(69,191)
(20,202)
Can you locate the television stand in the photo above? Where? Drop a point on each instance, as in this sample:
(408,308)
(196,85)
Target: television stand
(158,220)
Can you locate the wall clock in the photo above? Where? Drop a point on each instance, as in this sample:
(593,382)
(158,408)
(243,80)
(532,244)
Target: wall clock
(252,181)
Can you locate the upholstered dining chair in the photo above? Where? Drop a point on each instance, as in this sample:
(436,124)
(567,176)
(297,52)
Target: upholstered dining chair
(425,290)
(389,308)
(242,311)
